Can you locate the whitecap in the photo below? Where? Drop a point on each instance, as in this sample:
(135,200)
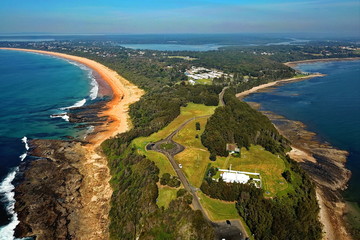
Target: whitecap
(24,140)
(60,115)
(77,104)
(95,87)
(7,190)
(94,84)
(23,156)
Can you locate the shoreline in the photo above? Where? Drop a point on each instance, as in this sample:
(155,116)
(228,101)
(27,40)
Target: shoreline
(315,163)
(95,190)
(295,63)
(275,83)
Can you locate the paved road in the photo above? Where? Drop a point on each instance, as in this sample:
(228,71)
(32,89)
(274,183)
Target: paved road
(221,96)
(233,231)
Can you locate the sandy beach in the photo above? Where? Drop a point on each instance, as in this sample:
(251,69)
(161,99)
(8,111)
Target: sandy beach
(272,84)
(293,64)
(95,190)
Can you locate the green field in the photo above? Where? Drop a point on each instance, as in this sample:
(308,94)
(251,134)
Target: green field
(190,111)
(218,210)
(183,57)
(258,160)
(195,157)
(204,81)
(161,161)
(166,195)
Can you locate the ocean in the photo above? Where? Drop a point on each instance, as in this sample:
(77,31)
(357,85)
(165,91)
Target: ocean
(36,93)
(328,106)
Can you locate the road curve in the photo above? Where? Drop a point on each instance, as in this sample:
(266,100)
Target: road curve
(223,230)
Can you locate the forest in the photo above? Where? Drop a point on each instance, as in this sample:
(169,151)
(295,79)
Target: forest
(237,122)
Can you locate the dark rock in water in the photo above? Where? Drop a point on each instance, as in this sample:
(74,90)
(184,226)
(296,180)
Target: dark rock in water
(48,199)
(88,114)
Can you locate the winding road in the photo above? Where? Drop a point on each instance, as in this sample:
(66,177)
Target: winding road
(223,230)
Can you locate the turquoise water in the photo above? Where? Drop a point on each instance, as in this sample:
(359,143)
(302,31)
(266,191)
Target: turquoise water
(329,106)
(34,87)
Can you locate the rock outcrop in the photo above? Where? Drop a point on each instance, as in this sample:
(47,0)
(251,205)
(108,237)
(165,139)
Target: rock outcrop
(48,199)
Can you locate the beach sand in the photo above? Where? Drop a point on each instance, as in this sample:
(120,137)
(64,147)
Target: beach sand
(272,84)
(95,190)
(293,64)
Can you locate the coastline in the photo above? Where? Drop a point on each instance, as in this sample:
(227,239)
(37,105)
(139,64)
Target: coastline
(95,191)
(295,63)
(324,163)
(275,83)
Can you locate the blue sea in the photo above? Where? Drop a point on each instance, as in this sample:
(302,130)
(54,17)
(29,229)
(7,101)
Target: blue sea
(36,93)
(329,106)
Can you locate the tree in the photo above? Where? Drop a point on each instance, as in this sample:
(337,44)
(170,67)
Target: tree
(197,125)
(287,176)
(165,179)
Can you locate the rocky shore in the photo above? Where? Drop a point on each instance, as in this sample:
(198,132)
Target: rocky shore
(325,165)
(63,189)
(48,198)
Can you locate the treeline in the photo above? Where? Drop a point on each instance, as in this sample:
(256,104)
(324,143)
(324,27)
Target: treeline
(242,63)
(311,50)
(237,122)
(134,213)
(294,216)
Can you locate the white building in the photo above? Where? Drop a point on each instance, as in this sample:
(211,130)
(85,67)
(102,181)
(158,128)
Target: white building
(231,177)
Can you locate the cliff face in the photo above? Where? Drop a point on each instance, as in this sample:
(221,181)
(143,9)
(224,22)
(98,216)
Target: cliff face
(48,199)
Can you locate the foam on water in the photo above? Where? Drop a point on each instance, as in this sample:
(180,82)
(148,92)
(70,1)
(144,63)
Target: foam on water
(95,87)
(24,140)
(23,156)
(94,84)
(77,104)
(7,189)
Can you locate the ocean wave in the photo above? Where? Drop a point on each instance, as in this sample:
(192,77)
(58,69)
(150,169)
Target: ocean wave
(24,140)
(77,104)
(23,156)
(95,87)
(60,115)
(94,84)
(7,190)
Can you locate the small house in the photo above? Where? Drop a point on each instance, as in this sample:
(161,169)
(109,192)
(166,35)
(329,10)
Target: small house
(232,148)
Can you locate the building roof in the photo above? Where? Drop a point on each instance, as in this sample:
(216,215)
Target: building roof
(232,147)
(231,177)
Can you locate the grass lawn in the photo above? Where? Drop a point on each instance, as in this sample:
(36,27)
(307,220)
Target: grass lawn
(260,161)
(194,162)
(204,81)
(195,157)
(166,195)
(167,146)
(218,210)
(190,111)
(183,57)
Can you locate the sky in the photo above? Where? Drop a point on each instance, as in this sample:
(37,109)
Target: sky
(179,16)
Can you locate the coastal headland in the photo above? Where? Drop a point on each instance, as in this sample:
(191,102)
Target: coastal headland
(276,83)
(295,63)
(70,179)
(324,163)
